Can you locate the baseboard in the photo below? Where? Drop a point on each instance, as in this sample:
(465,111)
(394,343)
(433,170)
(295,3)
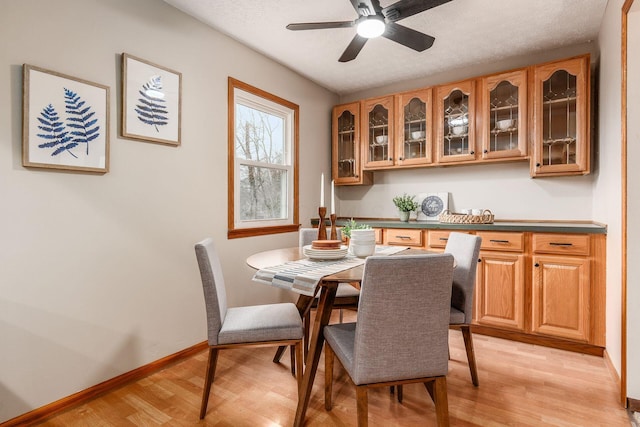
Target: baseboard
(38,415)
(612,369)
(633,404)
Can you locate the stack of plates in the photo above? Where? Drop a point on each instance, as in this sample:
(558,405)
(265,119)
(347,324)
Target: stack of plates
(312,253)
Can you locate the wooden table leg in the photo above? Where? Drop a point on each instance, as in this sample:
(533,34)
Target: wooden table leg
(323,314)
(303,305)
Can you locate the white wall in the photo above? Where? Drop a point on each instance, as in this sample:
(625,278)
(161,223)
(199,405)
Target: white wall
(607,197)
(98,273)
(633,198)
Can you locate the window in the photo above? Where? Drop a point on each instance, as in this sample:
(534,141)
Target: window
(263,162)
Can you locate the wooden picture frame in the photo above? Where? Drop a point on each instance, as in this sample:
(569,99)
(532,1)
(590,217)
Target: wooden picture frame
(151,101)
(65,122)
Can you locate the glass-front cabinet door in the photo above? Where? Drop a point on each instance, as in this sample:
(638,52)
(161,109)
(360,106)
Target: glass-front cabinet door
(561,142)
(504,115)
(414,128)
(377,132)
(455,122)
(345,148)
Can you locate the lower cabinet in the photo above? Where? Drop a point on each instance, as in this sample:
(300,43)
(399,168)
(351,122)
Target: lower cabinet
(543,288)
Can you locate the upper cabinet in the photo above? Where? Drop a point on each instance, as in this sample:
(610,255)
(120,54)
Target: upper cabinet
(377,132)
(503,115)
(539,114)
(346,157)
(455,122)
(413,128)
(561,108)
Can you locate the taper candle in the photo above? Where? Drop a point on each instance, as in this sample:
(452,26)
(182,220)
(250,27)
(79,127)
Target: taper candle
(322,190)
(333,206)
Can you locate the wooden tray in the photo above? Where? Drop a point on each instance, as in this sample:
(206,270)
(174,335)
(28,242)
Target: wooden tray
(457,218)
(326,244)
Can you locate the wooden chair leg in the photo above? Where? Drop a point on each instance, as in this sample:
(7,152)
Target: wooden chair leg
(471,357)
(208,379)
(292,350)
(299,363)
(399,395)
(441,401)
(363,406)
(307,327)
(328,376)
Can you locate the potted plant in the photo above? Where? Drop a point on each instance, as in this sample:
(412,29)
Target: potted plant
(352,225)
(405,205)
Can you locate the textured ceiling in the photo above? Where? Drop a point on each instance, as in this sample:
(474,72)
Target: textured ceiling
(467,32)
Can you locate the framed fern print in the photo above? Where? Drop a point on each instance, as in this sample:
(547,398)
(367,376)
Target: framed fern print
(65,122)
(151,101)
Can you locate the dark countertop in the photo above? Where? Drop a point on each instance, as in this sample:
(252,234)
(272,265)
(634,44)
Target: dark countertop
(537,226)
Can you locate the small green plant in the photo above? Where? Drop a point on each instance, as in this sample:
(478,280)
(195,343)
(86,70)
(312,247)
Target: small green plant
(405,203)
(353,225)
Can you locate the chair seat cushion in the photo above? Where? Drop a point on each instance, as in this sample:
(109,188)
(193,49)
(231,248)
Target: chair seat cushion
(456,317)
(346,290)
(341,337)
(269,322)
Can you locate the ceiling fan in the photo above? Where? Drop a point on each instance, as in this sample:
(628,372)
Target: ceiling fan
(374,21)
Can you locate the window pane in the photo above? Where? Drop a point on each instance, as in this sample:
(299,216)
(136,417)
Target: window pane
(259,136)
(263,193)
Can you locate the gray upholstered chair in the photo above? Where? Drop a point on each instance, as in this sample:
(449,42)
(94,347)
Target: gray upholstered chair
(402,332)
(465,248)
(346,295)
(268,324)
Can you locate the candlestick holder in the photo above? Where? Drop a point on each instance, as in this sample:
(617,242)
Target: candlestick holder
(322,227)
(334,231)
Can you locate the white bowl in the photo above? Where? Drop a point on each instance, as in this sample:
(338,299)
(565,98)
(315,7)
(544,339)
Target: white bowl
(505,124)
(381,139)
(418,134)
(459,130)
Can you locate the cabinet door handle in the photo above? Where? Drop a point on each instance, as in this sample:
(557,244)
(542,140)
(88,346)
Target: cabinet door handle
(486,151)
(560,244)
(403,237)
(536,265)
(443,238)
(537,165)
(390,158)
(399,158)
(498,241)
(472,152)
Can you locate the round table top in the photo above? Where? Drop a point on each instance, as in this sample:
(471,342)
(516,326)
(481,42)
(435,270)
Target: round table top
(274,257)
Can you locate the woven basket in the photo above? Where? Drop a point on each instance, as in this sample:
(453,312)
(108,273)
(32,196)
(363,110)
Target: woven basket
(457,218)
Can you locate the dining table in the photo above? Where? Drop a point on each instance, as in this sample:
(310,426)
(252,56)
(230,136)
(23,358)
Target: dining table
(327,287)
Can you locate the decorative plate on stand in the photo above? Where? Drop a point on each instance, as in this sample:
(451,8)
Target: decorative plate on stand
(432,205)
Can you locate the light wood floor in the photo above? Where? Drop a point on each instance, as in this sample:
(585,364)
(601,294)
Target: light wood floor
(520,385)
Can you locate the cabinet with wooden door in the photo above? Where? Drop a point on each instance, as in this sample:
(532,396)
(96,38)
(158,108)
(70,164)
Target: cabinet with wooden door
(500,285)
(413,139)
(455,122)
(346,156)
(503,115)
(561,109)
(561,286)
(377,130)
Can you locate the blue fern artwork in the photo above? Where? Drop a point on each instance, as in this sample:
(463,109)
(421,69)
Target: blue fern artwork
(81,119)
(151,107)
(54,132)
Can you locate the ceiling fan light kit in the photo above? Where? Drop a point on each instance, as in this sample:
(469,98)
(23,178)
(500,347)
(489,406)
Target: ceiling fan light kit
(370,26)
(374,21)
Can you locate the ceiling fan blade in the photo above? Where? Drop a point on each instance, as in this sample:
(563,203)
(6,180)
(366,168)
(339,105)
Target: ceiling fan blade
(405,8)
(408,37)
(319,25)
(353,49)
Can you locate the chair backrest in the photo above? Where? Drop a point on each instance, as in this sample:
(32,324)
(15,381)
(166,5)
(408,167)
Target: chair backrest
(215,296)
(403,318)
(465,248)
(308,235)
